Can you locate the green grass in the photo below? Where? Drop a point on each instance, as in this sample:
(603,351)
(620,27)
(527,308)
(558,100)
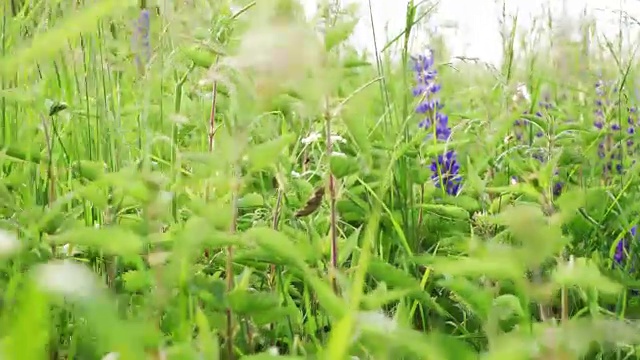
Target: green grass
(183,202)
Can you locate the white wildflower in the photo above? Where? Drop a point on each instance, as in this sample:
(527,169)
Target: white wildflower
(111,356)
(311,138)
(338,138)
(66,278)
(374,320)
(522,93)
(9,243)
(69,250)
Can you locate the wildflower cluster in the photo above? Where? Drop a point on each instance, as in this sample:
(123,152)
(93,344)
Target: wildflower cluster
(445,167)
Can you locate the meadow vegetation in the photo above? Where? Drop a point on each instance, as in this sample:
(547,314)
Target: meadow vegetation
(230,180)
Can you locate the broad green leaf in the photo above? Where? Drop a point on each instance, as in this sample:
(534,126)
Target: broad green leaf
(200,57)
(342,166)
(338,33)
(111,240)
(245,302)
(262,156)
(507,306)
(539,239)
(397,278)
(358,130)
(27,335)
(251,200)
(136,280)
(475,297)
(583,273)
(492,267)
(332,304)
(207,341)
(446,211)
(277,244)
(90,170)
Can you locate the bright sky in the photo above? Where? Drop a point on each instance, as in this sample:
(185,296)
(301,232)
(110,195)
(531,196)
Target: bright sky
(477,32)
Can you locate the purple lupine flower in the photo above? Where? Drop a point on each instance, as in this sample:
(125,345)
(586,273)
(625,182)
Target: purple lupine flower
(632,122)
(445,167)
(142,42)
(622,249)
(607,149)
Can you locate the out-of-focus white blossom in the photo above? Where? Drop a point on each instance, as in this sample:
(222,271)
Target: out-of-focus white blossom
(66,278)
(522,93)
(9,243)
(311,138)
(338,138)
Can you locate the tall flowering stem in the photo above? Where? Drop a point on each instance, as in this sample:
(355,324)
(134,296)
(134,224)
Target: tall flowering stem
(445,167)
(609,151)
(142,43)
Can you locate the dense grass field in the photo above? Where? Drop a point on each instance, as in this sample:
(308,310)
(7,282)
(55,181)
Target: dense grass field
(207,180)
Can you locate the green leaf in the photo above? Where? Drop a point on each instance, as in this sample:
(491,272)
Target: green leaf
(277,244)
(342,166)
(447,211)
(491,266)
(90,170)
(338,33)
(136,280)
(264,155)
(23,153)
(397,278)
(199,57)
(539,238)
(207,341)
(475,297)
(507,306)
(583,273)
(27,333)
(358,130)
(251,200)
(111,240)
(328,300)
(245,302)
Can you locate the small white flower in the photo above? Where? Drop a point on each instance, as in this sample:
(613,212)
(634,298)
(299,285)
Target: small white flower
(66,278)
(338,138)
(273,351)
(522,93)
(313,137)
(9,243)
(111,356)
(68,250)
(165,196)
(374,320)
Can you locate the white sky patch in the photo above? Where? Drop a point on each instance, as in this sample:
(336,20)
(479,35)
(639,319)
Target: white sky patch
(471,27)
